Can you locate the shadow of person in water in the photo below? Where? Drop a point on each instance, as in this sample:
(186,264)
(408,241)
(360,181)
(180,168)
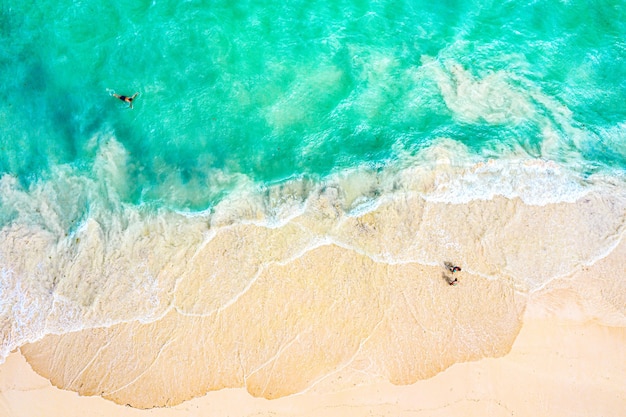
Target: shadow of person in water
(450,280)
(451,267)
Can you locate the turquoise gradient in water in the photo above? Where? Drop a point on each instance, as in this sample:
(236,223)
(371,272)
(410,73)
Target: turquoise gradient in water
(277,90)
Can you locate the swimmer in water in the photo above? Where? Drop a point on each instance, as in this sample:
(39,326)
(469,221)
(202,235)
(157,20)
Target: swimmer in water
(126,99)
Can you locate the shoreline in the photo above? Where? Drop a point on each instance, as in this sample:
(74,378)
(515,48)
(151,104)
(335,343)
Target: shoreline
(346,209)
(283,308)
(281,328)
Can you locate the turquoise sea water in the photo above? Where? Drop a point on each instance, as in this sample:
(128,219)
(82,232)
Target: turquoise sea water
(290,89)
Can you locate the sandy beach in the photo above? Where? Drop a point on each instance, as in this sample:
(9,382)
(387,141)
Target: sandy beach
(556,368)
(536,326)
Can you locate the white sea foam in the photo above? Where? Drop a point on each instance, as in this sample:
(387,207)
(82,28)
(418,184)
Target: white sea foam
(75,256)
(491,99)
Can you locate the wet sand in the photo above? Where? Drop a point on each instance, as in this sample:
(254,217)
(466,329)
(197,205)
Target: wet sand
(556,368)
(327,310)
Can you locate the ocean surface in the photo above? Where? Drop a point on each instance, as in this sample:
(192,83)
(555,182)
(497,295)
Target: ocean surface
(246,109)
(271,91)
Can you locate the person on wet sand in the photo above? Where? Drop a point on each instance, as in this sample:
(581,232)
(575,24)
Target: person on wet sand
(126,99)
(452,268)
(450,280)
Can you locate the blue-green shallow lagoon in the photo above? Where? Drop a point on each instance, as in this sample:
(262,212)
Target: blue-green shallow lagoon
(277,90)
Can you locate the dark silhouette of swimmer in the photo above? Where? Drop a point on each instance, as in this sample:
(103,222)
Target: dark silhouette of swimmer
(126,99)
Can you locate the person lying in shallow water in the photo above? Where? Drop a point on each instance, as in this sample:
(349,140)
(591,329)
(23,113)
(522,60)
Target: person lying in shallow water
(126,99)
(452,268)
(450,280)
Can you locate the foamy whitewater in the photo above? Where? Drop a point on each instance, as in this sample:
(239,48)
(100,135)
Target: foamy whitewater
(280,200)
